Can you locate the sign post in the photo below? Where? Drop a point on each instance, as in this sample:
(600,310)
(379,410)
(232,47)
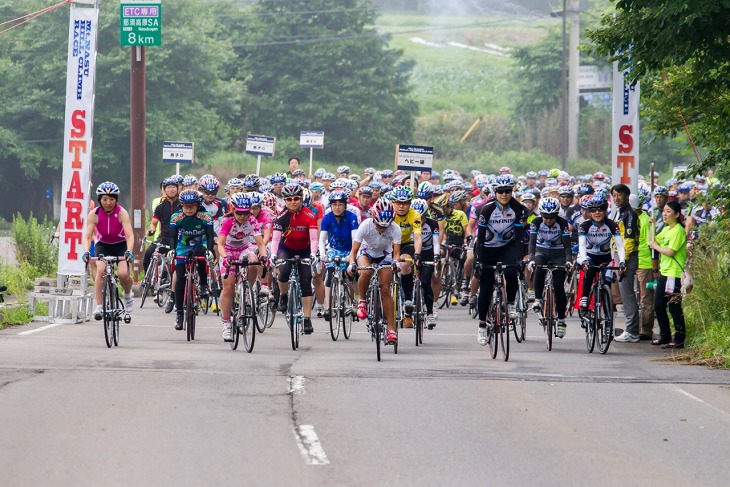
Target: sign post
(413,158)
(140,23)
(178,153)
(312,140)
(260,145)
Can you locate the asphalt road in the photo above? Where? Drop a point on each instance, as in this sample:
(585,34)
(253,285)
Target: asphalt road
(160,411)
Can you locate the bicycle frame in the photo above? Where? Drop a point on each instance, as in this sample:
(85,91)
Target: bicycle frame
(295,310)
(190,303)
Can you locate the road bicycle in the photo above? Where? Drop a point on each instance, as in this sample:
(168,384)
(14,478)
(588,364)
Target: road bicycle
(548,317)
(190,296)
(377,322)
(598,318)
(452,275)
(211,300)
(244,318)
(157,276)
(341,301)
(419,302)
(294,310)
(520,326)
(498,333)
(571,286)
(112,307)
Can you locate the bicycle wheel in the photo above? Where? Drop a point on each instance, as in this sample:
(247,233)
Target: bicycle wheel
(260,323)
(549,316)
(520,305)
(248,317)
(163,290)
(604,320)
(117,316)
(334,308)
(418,311)
(149,278)
(376,318)
(299,314)
(235,322)
(587,321)
(398,305)
(190,310)
(108,305)
(445,295)
(570,293)
(492,330)
(347,312)
(504,326)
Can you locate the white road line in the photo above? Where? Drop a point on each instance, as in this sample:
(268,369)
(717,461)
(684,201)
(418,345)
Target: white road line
(309,445)
(40,329)
(695,398)
(296,384)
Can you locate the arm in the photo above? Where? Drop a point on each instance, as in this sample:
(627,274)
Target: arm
(353,252)
(533,245)
(620,247)
(128,230)
(91,221)
(275,239)
(313,241)
(566,245)
(210,237)
(417,242)
(261,246)
(436,245)
(323,236)
(582,249)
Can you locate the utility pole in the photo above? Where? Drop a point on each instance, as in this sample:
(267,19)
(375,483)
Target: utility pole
(564,97)
(137,148)
(573,94)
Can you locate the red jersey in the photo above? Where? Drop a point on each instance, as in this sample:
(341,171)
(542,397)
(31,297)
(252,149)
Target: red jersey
(295,227)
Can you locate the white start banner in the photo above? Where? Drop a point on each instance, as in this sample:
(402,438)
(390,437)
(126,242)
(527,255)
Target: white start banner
(625,138)
(77,137)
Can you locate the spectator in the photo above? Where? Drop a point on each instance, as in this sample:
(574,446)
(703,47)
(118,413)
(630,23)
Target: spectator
(628,223)
(645,273)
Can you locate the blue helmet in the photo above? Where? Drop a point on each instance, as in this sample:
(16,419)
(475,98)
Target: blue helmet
(365,190)
(340,196)
(189,180)
(256,199)
(585,189)
(177,179)
(402,194)
(209,183)
(190,196)
(425,190)
(242,201)
(549,207)
(251,182)
(661,190)
(319,172)
(420,205)
(598,200)
(504,181)
(107,188)
(278,178)
(684,188)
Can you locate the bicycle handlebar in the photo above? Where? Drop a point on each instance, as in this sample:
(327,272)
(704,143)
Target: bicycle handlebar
(239,263)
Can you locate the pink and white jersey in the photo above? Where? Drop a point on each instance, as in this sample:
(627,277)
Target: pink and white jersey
(476,207)
(109,228)
(240,236)
(265,219)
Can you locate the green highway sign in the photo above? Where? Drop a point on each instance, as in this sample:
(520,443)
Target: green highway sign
(141,22)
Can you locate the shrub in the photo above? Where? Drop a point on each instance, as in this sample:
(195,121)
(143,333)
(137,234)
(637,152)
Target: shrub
(15,315)
(17,280)
(33,246)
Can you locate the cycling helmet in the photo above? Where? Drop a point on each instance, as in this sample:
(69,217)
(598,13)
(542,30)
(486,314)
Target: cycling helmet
(387,173)
(177,179)
(338,184)
(529,196)
(265,186)
(584,189)
(551,182)
(684,188)
(584,201)
(435,175)
(189,180)
(542,173)
(343,170)
(256,199)
(328,176)
(425,190)
(366,190)
(278,178)
(355,177)
(382,212)
(458,195)
(504,181)
(545,192)
(297,172)
(292,189)
(319,172)
(241,202)
(563,175)
(661,190)
(475,172)
(190,196)
(598,201)
(505,170)
(351,185)
(251,182)
(316,186)
(340,196)
(438,190)
(369,171)
(269,200)
(210,183)
(376,185)
(468,187)
(107,188)
(565,191)
(420,205)
(549,207)
(553,173)
(531,175)
(402,194)
(235,183)
(168,182)
(306,198)
(599,176)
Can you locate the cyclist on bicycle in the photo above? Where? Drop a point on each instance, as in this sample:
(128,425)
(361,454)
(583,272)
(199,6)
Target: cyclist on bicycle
(169,204)
(240,239)
(550,245)
(429,250)
(499,238)
(192,230)
(456,232)
(114,237)
(411,242)
(594,243)
(337,232)
(295,234)
(377,242)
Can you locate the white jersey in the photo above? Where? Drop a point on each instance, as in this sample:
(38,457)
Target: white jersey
(375,243)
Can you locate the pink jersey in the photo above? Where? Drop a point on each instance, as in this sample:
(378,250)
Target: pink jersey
(265,219)
(476,205)
(109,228)
(240,236)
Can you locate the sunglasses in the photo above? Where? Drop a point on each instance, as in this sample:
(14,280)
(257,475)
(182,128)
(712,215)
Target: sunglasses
(242,213)
(293,198)
(210,193)
(596,210)
(503,191)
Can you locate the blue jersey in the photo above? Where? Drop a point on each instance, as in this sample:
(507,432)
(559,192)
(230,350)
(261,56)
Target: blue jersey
(339,234)
(191,231)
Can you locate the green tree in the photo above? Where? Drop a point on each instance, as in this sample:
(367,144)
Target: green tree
(317,65)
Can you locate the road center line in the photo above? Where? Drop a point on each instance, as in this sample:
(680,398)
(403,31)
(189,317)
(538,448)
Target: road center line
(309,445)
(695,398)
(42,328)
(296,384)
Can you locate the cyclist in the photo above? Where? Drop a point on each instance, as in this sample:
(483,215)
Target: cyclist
(377,241)
(456,233)
(550,245)
(189,182)
(295,234)
(430,248)
(160,223)
(213,205)
(565,196)
(277,185)
(338,228)
(240,239)
(499,238)
(594,243)
(411,241)
(114,237)
(192,231)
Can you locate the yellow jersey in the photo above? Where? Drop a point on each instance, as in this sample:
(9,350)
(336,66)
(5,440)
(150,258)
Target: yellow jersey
(409,224)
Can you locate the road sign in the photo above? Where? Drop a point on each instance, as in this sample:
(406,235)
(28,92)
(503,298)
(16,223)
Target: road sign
(594,78)
(260,145)
(141,22)
(178,152)
(414,157)
(312,140)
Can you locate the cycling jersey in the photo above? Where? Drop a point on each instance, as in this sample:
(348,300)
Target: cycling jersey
(338,231)
(352,209)
(318,210)
(429,230)
(435,211)
(628,223)
(240,236)
(163,213)
(191,231)
(409,224)
(454,226)
(295,229)
(108,227)
(704,215)
(377,244)
(216,209)
(549,237)
(476,206)
(595,240)
(501,226)
(265,219)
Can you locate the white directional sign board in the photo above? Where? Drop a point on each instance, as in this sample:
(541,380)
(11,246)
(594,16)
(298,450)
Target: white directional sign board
(178,152)
(313,140)
(414,157)
(260,145)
